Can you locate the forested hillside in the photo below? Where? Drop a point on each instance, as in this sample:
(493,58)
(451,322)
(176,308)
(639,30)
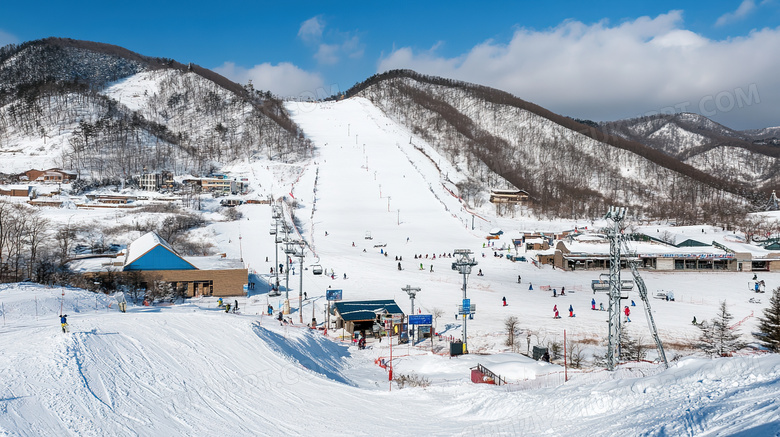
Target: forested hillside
(108,113)
(570,169)
(751,158)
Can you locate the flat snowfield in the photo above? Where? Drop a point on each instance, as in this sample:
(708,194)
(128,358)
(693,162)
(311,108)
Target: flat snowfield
(374,192)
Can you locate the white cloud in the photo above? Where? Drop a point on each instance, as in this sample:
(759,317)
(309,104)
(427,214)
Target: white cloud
(6,38)
(327,54)
(283,79)
(605,72)
(311,30)
(332,45)
(745,8)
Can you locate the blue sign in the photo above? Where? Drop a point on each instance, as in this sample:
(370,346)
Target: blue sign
(332,295)
(421,319)
(466,305)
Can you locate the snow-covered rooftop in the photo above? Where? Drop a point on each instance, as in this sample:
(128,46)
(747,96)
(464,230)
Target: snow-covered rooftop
(143,245)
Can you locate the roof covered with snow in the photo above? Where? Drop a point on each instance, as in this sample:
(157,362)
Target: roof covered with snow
(143,245)
(366,309)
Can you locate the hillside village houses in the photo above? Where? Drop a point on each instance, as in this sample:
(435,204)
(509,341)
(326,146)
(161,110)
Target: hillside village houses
(50,176)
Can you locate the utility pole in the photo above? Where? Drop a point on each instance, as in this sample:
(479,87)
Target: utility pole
(463,264)
(412,292)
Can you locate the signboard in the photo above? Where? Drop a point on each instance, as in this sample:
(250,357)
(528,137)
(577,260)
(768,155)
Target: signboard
(332,295)
(466,305)
(388,324)
(396,317)
(421,319)
(472,309)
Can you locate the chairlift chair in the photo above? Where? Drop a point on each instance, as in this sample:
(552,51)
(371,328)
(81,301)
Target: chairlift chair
(316,269)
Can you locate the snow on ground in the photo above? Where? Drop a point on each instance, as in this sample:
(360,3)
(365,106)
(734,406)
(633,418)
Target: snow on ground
(192,369)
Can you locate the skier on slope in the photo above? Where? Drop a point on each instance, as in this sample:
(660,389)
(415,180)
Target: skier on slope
(571,311)
(64,322)
(593,304)
(627,311)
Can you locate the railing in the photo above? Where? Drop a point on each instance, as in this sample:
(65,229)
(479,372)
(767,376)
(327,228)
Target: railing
(492,377)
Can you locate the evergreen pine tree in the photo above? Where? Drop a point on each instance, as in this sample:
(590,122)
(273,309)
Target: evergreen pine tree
(707,338)
(726,340)
(769,325)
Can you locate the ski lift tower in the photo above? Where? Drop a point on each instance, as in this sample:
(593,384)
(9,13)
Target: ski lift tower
(276,215)
(463,264)
(289,251)
(616,242)
(616,215)
(298,251)
(412,292)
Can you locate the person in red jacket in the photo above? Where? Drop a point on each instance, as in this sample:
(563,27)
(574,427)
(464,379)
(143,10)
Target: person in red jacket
(627,311)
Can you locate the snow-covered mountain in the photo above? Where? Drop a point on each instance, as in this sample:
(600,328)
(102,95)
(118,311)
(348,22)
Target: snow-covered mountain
(570,169)
(751,158)
(109,113)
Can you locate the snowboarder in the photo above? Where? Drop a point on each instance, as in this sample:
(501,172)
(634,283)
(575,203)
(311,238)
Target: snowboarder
(64,322)
(563,291)
(694,320)
(555,293)
(305,296)
(593,304)
(235,307)
(519,279)
(601,306)
(270,310)
(530,287)
(627,311)
(421,267)
(219,302)
(399,266)
(571,311)
(504,300)
(632,303)
(345,276)
(480,273)
(555,310)
(431,268)
(227,307)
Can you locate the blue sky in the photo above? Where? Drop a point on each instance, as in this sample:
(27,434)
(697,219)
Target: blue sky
(595,60)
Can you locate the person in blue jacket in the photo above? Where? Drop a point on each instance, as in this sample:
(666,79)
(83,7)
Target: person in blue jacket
(571,311)
(593,304)
(64,322)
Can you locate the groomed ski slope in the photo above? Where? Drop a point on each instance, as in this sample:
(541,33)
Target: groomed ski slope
(194,370)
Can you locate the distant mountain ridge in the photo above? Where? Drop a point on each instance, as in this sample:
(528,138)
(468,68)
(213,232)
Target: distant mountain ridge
(108,113)
(751,157)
